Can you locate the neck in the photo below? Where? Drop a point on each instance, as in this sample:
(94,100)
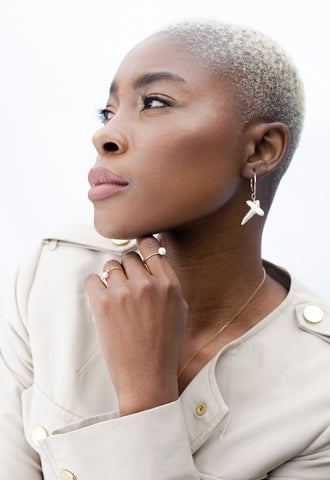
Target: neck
(218,270)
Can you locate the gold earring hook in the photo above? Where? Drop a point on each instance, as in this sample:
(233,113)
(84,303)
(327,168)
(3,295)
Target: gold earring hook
(253,186)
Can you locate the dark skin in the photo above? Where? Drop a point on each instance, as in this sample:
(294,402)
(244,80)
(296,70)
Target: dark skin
(188,163)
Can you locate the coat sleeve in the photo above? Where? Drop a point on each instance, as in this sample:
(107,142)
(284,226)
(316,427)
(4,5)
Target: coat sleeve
(17,457)
(153,445)
(148,445)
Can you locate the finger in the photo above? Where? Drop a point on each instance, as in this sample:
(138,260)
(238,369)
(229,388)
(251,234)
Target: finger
(162,241)
(113,273)
(134,266)
(93,283)
(94,287)
(156,263)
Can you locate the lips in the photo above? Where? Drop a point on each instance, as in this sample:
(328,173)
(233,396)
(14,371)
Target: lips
(104,183)
(101,175)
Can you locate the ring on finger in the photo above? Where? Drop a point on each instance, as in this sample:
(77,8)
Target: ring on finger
(161,251)
(106,273)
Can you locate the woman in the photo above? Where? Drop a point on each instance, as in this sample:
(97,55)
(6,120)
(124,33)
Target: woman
(202,361)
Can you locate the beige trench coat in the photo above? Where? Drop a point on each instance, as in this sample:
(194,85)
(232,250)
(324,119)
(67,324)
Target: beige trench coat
(259,409)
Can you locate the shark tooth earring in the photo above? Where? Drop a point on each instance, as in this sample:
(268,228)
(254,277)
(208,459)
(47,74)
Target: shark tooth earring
(254,204)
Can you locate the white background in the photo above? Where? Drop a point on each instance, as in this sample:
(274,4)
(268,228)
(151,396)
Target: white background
(57,62)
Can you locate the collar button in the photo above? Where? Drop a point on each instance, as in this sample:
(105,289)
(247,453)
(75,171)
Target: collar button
(67,475)
(200,409)
(119,242)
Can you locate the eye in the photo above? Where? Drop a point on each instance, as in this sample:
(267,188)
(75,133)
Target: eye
(104,115)
(155,102)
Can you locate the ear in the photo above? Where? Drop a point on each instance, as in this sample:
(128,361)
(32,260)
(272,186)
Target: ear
(267,144)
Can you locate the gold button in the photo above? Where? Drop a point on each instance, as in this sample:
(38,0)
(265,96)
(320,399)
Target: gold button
(66,475)
(200,409)
(39,433)
(313,314)
(116,241)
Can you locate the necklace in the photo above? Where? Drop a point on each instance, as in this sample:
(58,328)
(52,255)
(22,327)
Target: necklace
(226,324)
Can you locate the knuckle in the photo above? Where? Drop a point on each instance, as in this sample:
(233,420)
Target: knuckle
(171,285)
(122,294)
(144,286)
(167,284)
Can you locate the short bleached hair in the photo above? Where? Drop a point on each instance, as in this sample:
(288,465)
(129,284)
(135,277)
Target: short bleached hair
(264,81)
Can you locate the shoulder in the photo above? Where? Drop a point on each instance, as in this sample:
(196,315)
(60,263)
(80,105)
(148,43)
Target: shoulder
(309,312)
(84,235)
(312,313)
(81,240)
(63,256)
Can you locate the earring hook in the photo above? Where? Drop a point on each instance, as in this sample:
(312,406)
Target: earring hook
(253,186)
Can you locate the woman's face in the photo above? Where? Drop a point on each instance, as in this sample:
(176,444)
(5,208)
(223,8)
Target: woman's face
(172,136)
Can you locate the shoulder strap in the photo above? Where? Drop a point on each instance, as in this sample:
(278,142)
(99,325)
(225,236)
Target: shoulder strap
(314,318)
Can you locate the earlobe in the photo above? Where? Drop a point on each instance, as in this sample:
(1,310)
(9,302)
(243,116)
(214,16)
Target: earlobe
(267,147)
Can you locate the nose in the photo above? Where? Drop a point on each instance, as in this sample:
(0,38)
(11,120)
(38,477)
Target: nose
(109,140)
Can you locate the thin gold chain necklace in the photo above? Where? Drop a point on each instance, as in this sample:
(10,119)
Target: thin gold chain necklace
(226,324)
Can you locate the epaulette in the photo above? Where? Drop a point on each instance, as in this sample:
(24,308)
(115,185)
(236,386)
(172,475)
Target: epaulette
(314,318)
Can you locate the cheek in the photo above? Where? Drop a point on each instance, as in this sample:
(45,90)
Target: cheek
(178,174)
(193,168)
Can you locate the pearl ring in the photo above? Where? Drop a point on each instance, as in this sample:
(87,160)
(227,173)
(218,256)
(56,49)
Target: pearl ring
(106,274)
(161,251)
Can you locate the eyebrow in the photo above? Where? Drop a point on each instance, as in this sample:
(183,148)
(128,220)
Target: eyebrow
(148,78)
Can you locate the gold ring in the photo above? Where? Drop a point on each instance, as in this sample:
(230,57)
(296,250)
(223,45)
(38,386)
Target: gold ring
(149,256)
(106,273)
(161,252)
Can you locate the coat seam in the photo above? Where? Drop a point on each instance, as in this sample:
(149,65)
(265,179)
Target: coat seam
(203,433)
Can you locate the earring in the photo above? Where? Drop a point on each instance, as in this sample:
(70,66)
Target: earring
(253,204)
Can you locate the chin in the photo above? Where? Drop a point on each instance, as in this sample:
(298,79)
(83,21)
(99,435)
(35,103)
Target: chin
(124,232)
(110,231)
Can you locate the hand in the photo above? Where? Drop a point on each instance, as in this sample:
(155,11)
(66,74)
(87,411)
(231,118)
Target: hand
(140,321)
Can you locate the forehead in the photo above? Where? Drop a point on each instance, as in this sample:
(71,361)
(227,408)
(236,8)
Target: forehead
(158,53)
